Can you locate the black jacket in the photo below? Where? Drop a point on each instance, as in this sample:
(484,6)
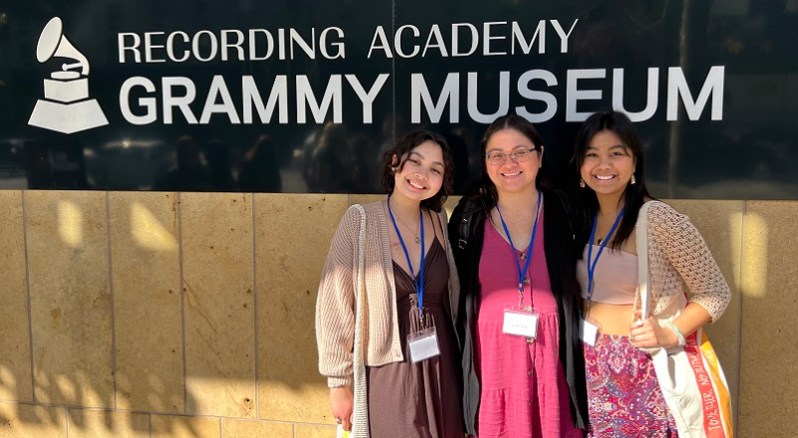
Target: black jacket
(466,233)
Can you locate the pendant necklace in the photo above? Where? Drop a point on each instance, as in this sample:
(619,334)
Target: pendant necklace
(601,239)
(415,235)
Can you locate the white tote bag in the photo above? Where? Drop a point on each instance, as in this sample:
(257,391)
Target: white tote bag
(690,377)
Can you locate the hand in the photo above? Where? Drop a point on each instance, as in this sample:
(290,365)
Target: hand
(648,333)
(341,401)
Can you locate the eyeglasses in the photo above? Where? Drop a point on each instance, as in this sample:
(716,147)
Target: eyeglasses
(496,158)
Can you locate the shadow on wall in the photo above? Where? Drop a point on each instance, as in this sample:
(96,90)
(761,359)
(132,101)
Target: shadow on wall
(143,370)
(44,416)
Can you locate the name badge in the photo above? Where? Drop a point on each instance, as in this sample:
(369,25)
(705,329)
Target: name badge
(520,322)
(588,332)
(423,345)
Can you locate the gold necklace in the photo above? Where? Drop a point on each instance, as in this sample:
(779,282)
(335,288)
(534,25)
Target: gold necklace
(601,239)
(415,234)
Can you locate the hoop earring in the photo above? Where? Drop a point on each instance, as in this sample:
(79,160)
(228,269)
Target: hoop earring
(634,181)
(582,182)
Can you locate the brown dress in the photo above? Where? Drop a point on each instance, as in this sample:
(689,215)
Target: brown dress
(423,399)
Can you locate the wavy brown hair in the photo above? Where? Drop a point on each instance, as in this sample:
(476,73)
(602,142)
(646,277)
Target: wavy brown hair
(402,149)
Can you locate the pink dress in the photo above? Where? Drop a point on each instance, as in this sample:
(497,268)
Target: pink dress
(524,392)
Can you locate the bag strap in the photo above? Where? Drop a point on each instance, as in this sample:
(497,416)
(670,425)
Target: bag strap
(641,240)
(463,229)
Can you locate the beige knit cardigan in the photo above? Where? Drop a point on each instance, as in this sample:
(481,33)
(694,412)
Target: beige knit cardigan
(678,262)
(337,310)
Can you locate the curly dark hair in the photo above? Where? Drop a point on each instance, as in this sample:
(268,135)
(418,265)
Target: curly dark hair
(402,149)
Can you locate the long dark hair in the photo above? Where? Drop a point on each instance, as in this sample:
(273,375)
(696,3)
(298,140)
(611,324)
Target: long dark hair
(487,190)
(402,149)
(634,196)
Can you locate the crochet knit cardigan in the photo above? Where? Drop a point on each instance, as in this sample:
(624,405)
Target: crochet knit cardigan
(679,261)
(338,310)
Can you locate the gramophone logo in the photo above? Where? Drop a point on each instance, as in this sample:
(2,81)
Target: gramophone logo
(66,106)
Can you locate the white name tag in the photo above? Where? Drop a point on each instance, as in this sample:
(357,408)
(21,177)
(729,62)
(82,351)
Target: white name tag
(588,332)
(519,322)
(423,345)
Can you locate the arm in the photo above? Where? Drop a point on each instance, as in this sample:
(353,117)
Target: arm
(649,333)
(707,291)
(335,316)
(686,251)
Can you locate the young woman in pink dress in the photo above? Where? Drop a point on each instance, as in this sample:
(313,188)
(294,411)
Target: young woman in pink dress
(519,307)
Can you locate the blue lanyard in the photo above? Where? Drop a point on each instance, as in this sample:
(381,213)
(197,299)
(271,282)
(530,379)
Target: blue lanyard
(419,281)
(522,271)
(591,262)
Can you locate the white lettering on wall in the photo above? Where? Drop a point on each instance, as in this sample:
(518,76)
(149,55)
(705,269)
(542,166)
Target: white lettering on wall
(305,97)
(525,91)
(218,90)
(181,102)
(679,90)
(652,95)
(149,104)
(450,95)
(496,38)
(504,98)
(230,45)
(278,98)
(574,94)
(367,98)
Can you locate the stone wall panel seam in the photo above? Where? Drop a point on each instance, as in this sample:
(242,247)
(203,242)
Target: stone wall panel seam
(23,194)
(182,298)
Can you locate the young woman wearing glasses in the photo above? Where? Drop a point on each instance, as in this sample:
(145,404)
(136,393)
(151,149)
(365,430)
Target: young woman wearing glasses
(519,310)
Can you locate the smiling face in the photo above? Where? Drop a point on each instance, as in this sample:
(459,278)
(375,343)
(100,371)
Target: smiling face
(512,176)
(420,174)
(608,164)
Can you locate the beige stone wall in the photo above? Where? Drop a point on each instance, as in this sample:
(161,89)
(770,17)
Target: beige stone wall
(138,314)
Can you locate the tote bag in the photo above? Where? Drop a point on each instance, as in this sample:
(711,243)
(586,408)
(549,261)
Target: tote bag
(690,377)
